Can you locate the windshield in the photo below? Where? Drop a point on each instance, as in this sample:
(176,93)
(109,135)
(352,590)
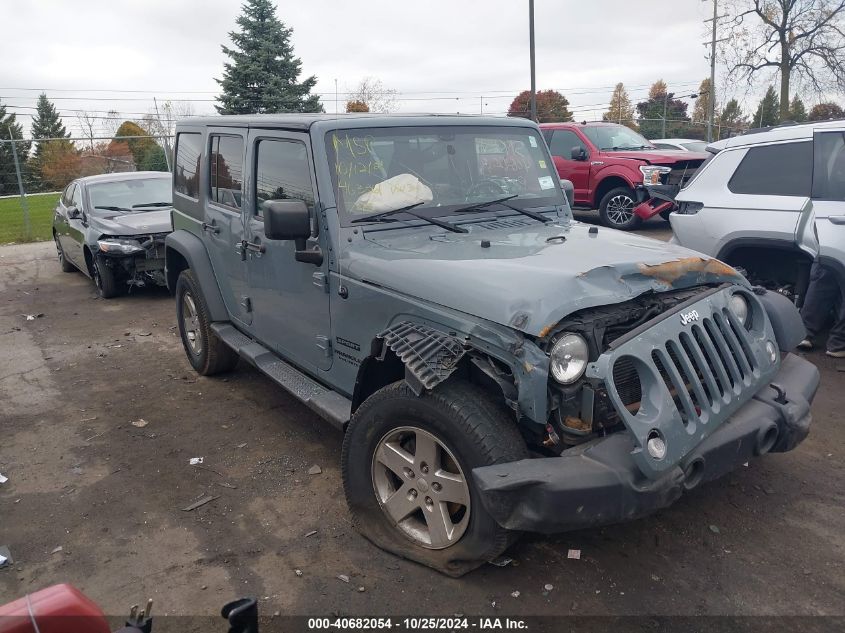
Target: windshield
(695,146)
(439,169)
(615,137)
(126,195)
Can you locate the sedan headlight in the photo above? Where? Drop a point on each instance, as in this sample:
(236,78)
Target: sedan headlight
(652,173)
(120,247)
(569,357)
(739,306)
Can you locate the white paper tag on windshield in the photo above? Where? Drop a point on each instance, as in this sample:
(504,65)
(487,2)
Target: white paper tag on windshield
(546,182)
(533,141)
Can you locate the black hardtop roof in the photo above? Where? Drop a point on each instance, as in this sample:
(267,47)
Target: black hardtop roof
(338,121)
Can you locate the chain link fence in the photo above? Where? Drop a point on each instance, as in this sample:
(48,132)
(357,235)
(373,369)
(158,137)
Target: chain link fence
(33,175)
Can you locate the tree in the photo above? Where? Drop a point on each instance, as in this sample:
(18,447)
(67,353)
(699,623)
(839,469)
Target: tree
(373,93)
(10,128)
(701,110)
(551,106)
(138,147)
(263,74)
(357,106)
(88,123)
(826,111)
(58,164)
(620,109)
(153,159)
(768,112)
(47,123)
(804,39)
(797,111)
(731,121)
(651,111)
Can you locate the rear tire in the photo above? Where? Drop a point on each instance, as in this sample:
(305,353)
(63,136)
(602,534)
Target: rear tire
(445,433)
(104,278)
(207,354)
(616,209)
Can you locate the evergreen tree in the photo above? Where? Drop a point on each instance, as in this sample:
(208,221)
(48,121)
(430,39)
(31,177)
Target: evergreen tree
(768,112)
(797,111)
(620,109)
(650,113)
(10,128)
(731,120)
(263,74)
(47,123)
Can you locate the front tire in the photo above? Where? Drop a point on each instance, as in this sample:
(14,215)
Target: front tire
(207,354)
(616,209)
(407,465)
(65,265)
(104,278)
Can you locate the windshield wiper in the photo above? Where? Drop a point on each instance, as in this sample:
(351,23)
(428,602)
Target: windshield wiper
(107,208)
(384,216)
(480,206)
(153,204)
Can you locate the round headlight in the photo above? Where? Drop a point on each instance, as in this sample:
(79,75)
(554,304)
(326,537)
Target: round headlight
(739,306)
(569,357)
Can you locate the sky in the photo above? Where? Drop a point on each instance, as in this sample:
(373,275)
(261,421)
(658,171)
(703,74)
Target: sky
(463,56)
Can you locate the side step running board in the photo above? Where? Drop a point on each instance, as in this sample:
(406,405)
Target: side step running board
(327,403)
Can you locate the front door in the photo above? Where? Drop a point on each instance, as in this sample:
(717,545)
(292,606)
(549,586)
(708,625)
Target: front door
(577,171)
(223,228)
(290,299)
(829,194)
(73,245)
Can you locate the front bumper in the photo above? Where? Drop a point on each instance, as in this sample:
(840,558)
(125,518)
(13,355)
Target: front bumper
(598,483)
(654,200)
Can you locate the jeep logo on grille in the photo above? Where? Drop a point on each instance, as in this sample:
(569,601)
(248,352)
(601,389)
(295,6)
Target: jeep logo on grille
(689,317)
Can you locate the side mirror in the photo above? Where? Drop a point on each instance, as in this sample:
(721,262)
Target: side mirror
(286,220)
(290,220)
(579,153)
(569,190)
(73,213)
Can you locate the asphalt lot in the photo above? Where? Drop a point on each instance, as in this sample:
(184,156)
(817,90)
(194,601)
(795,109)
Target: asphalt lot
(768,539)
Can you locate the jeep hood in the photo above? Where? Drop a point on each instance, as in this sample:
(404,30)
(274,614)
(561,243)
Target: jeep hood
(140,223)
(530,277)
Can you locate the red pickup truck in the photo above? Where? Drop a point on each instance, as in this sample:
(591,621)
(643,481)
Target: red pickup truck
(609,164)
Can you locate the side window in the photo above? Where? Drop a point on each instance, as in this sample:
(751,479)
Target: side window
(775,170)
(282,172)
(562,143)
(226,162)
(829,168)
(663,146)
(76,197)
(186,176)
(67,195)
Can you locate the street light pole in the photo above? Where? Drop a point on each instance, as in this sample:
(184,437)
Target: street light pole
(531,47)
(711,103)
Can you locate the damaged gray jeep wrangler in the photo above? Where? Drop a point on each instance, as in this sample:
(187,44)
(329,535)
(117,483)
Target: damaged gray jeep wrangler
(495,366)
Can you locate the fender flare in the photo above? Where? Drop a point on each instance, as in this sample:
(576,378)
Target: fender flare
(193,252)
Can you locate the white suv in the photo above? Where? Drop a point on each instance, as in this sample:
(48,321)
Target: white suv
(769,202)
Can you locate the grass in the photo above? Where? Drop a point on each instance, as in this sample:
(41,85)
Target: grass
(12,228)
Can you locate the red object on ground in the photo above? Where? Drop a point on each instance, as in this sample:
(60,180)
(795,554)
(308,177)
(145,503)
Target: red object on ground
(57,609)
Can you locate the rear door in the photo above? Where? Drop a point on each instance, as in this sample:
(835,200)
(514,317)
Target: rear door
(223,229)
(829,195)
(746,196)
(561,144)
(290,299)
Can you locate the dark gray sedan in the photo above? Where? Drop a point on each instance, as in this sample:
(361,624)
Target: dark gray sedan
(112,228)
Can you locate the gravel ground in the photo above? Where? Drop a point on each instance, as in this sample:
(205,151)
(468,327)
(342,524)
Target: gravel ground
(98,498)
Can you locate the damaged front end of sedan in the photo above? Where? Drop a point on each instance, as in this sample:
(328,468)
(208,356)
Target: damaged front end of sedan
(134,260)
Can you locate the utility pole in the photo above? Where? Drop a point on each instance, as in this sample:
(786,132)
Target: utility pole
(26,227)
(166,138)
(531,47)
(335,96)
(665,104)
(711,99)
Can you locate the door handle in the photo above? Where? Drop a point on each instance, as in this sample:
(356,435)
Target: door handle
(837,219)
(211,228)
(253,246)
